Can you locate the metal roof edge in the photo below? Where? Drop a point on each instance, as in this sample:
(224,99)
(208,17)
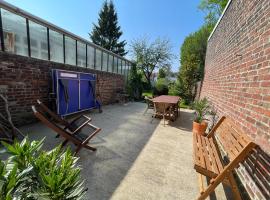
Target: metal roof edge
(43,22)
(220,18)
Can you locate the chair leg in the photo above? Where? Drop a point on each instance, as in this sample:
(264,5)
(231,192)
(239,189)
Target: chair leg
(236,193)
(64,143)
(78,149)
(90,148)
(145,111)
(208,190)
(164,119)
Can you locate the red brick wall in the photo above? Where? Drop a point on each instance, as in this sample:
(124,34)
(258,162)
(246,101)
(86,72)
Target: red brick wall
(26,79)
(237,70)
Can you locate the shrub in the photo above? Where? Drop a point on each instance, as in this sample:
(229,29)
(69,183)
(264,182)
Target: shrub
(135,86)
(30,173)
(161,87)
(174,89)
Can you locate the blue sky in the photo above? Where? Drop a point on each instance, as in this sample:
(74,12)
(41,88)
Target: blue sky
(173,19)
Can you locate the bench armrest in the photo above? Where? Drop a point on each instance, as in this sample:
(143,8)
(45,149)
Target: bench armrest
(215,127)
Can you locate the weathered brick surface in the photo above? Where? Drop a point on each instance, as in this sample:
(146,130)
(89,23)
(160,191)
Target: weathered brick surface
(27,79)
(237,72)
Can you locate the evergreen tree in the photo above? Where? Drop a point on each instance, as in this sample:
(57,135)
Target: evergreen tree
(107,32)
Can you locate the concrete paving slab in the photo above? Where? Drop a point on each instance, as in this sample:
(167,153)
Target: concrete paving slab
(135,158)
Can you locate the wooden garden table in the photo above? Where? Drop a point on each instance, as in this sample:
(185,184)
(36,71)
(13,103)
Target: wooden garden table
(171,100)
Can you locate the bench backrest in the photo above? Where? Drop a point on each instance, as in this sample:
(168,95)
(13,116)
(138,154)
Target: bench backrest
(232,139)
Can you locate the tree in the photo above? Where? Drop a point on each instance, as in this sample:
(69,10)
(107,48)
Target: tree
(135,83)
(151,55)
(192,60)
(161,73)
(107,32)
(213,10)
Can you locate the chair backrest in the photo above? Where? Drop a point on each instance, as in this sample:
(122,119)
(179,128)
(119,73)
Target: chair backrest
(149,102)
(161,107)
(58,129)
(232,139)
(53,115)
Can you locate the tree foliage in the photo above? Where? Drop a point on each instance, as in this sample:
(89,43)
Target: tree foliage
(161,73)
(193,50)
(135,86)
(213,9)
(192,59)
(107,32)
(151,55)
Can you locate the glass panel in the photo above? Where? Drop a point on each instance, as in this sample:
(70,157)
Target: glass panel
(70,50)
(110,64)
(90,57)
(81,54)
(98,59)
(129,66)
(115,64)
(56,46)
(123,67)
(119,65)
(15,35)
(105,61)
(38,41)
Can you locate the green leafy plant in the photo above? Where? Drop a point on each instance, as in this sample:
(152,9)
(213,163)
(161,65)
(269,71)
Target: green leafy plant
(30,173)
(201,108)
(161,87)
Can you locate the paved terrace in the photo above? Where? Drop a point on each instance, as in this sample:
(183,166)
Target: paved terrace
(135,159)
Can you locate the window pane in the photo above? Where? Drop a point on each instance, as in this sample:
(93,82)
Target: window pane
(123,67)
(105,61)
(119,65)
(110,64)
(81,54)
(115,64)
(56,46)
(70,50)
(129,66)
(38,41)
(90,57)
(15,35)
(98,59)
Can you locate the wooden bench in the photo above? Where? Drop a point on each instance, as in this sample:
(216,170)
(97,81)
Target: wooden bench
(208,160)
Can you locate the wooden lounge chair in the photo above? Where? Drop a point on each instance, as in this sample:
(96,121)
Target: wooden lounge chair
(56,118)
(73,131)
(208,160)
(150,104)
(162,109)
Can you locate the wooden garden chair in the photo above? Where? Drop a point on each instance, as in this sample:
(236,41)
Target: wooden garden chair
(150,104)
(208,160)
(74,132)
(162,109)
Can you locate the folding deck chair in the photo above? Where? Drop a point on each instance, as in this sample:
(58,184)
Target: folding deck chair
(73,131)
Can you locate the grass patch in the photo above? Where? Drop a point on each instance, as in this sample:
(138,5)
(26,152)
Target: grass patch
(184,105)
(148,94)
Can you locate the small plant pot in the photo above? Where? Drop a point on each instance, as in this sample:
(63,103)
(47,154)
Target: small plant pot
(199,128)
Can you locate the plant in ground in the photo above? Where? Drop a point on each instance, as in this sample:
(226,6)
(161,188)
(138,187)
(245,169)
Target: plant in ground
(161,87)
(30,173)
(107,32)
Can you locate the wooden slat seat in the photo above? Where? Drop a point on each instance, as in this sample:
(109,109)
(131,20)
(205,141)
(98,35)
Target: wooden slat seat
(206,157)
(225,137)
